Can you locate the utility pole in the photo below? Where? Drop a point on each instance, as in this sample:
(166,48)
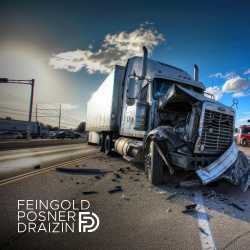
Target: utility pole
(59,117)
(36,112)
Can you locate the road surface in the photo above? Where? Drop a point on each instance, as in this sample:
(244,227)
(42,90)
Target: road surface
(136,217)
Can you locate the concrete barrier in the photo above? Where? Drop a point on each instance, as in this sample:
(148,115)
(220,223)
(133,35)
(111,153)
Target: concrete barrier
(38,142)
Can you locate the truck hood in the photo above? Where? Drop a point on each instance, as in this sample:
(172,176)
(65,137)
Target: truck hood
(179,93)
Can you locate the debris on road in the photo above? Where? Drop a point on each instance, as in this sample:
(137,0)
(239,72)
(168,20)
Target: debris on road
(161,192)
(190,183)
(97,177)
(77,182)
(227,211)
(113,179)
(169,210)
(77,166)
(190,207)
(235,205)
(117,189)
(125,197)
(121,169)
(90,192)
(37,167)
(171,196)
(117,175)
(202,230)
(211,194)
(136,180)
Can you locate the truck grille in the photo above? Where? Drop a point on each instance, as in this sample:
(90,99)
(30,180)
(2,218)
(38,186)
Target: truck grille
(217,133)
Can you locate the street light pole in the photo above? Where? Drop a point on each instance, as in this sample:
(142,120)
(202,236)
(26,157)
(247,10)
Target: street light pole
(29,82)
(31,107)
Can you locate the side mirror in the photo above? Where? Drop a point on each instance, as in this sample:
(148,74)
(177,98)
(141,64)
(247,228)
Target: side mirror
(130,94)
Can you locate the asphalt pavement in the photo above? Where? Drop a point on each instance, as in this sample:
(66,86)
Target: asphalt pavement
(136,216)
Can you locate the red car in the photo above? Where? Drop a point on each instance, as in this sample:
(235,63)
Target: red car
(243,138)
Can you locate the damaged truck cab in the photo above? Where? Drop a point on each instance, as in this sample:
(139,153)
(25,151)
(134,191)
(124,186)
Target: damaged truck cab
(161,117)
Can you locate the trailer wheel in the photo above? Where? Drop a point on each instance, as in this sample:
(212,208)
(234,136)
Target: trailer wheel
(156,171)
(101,144)
(108,142)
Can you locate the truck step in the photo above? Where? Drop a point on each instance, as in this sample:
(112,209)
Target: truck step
(128,158)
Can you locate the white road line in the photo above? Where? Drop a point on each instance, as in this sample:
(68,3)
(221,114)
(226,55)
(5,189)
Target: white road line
(14,156)
(207,240)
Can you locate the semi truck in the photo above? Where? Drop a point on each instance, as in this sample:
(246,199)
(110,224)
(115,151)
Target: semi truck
(243,137)
(37,129)
(155,113)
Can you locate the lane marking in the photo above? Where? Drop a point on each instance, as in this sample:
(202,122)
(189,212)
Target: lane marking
(23,176)
(21,155)
(207,240)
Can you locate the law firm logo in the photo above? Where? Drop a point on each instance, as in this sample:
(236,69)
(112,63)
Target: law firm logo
(88,222)
(56,217)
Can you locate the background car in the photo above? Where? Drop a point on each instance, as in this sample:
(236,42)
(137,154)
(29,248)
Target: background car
(53,133)
(67,134)
(10,135)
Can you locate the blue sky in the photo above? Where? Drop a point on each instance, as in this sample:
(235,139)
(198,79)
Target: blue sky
(69,47)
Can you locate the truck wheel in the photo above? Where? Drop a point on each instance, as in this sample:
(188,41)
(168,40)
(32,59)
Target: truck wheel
(108,142)
(244,143)
(156,171)
(101,144)
(43,136)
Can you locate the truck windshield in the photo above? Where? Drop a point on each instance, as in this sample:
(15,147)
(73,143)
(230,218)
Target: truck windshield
(245,130)
(160,88)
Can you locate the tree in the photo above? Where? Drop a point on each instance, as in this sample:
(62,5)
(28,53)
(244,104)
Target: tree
(81,127)
(49,127)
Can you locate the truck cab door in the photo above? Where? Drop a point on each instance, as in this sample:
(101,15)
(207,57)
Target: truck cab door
(128,119)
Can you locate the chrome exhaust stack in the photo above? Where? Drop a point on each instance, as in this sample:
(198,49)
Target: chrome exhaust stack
(145,62)
(196,73)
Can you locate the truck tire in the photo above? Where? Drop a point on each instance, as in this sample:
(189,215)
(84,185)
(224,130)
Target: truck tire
(108,142)
(101,144)
(156,171)
(244,143)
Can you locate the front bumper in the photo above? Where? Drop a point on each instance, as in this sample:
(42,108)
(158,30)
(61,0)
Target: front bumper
(190,163)
(218,167)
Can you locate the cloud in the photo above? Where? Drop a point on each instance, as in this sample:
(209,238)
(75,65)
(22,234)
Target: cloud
(90,46)
(235,85)
(246,113)
(228,75)
(67,106)
(240,94)
(247,71)
(116,49)
(216,91)
(243,120)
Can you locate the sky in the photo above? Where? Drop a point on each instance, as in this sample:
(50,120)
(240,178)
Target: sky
(69,47)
